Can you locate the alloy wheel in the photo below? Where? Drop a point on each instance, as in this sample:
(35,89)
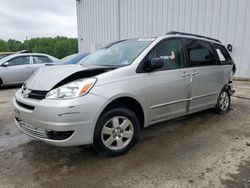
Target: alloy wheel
(224,101)
(117,133)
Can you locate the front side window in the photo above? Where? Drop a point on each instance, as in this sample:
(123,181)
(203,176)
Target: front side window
(200,53)
(118,54)
(19,60)
(170,52)
(40,59)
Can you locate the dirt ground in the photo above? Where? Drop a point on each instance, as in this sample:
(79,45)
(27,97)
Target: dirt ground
(200,150)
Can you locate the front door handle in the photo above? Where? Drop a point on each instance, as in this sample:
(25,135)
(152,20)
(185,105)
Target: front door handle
(185,74)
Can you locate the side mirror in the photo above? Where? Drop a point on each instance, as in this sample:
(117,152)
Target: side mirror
(6,64)
(154,63)
(230,47)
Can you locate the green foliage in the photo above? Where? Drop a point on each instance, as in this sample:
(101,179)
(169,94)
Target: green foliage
(14,45)
(58,47)
(3,46)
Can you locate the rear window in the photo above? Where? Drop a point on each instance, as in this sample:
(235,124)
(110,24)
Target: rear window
(41,59)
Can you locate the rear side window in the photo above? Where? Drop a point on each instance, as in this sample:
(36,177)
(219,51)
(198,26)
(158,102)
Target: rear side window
(200,53)
(171,52)
(22,60)
(222,54)
(41,59)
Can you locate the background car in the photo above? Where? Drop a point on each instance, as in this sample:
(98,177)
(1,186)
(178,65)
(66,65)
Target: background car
(17,68)
(72,59)
(5,54)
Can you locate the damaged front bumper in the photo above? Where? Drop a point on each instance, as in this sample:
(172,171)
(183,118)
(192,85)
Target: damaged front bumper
(58,122)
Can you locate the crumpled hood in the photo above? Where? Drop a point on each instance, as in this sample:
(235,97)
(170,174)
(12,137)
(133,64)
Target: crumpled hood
(46,78)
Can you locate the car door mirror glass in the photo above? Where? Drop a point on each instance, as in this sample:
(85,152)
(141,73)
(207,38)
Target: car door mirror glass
(154,63)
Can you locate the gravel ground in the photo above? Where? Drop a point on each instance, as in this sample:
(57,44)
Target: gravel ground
(200,150)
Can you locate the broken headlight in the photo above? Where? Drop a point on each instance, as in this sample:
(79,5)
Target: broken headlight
(73,89)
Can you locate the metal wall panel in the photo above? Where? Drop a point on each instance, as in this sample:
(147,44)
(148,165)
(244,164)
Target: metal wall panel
(103,21)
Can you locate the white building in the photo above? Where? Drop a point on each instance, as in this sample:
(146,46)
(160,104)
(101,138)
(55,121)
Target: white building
(103,21)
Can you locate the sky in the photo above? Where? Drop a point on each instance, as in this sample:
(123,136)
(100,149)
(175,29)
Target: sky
(21,19)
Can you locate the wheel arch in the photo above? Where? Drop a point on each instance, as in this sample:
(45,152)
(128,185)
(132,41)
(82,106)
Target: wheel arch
(228,87)
(127,102)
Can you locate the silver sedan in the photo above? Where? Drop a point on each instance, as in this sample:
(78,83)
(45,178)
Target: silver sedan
(17,68)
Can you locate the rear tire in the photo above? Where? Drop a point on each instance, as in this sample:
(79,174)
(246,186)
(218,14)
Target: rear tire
(117,131)
(1,82)
(223,102)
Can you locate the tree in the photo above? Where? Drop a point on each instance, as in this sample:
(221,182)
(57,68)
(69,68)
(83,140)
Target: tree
(44,45)
(3,46)
(65,46)
(14,45)
(58,46)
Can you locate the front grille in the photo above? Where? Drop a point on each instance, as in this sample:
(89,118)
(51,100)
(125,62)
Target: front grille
(43,133)
(25,105)
(36,94)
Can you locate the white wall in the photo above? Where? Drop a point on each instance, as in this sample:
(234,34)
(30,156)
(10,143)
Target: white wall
(103,21)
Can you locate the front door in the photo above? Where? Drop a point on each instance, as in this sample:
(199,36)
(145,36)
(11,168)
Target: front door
(18,71)
(167,87)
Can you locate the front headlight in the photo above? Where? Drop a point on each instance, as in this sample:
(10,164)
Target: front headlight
(73,89)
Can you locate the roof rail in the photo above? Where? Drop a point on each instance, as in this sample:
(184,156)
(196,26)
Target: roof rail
(190,34)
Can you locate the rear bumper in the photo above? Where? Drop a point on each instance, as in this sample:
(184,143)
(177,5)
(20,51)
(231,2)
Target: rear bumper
(76,116)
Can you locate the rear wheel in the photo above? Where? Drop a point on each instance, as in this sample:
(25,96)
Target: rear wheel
(1,82)
(116,132)
(223,102)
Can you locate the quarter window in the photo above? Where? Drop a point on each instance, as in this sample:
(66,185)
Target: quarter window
(19,60)
(41,59)
(200,53)
(171,52)
(223,55)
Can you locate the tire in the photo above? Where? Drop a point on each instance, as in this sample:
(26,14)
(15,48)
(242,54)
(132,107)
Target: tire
(117,131)
(223,102)
(1,82)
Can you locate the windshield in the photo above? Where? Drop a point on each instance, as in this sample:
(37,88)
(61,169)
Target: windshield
(119,54)
(67,58)
(4,55)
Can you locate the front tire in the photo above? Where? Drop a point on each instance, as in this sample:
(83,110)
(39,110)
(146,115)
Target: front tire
(223,102)
(117,131)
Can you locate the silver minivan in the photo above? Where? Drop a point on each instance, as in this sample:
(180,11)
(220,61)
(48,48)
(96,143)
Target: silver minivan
(127,85)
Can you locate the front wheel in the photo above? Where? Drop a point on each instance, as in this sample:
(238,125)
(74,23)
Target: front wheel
(223,102)
(116,132)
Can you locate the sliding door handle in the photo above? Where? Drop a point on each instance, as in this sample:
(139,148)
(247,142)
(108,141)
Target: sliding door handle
(185,74)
